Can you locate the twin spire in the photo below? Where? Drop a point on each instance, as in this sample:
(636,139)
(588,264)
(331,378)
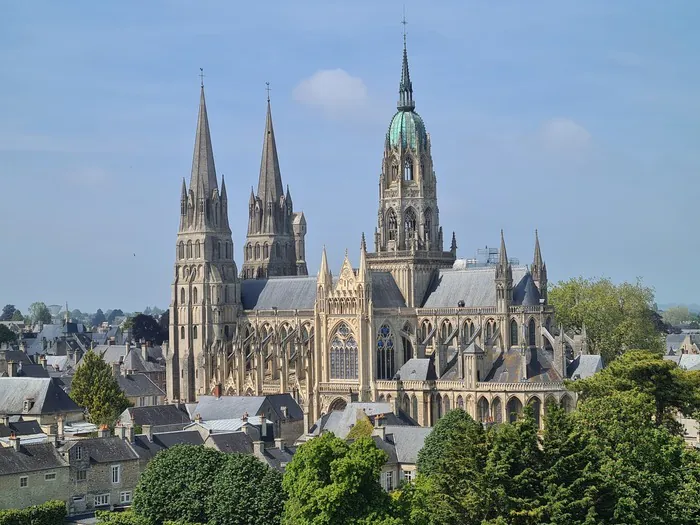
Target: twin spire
(203,171)
(270,183)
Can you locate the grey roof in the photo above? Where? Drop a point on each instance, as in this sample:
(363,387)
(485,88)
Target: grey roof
(507,367)
(417,369)
(15,355)
(475,286)
(231,407)
(231,442)
(686,361)
(385,292)
(584,366)
(408,441)
(279,458)
(284,293)
(340,422)
(58,362)
(31,370)
(526,292)
(104,450)
(48,396)
(388,448)
(138,385)
(146,449)
(158,415)
(277,401)
(20,428)
(31,457)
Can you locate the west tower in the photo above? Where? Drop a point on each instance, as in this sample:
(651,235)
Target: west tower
(205,299)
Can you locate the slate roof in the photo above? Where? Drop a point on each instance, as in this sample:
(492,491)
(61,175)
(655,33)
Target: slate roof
(507,367)
(388,448)
(147,449)
(417,369)
(138,385)
(17,356)
(104,450)
(37,456)
(584,366)
(284,293)
(31,370)
(278,459)
(408,440)
(475,286)
(158,415)
(385,291)
(232,442)
(231,407)
(340,422)
(58,362)
(48,396)
(525,292)
(20,428)
(686,361)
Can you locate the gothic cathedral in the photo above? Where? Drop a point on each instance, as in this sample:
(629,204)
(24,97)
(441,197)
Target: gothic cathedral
(411,325)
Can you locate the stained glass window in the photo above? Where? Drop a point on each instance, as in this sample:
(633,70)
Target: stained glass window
(385,353)
(343,354)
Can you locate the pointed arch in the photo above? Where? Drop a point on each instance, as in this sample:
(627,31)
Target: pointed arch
(567,403)
(536,404)
(482,410)
(343,353)
(181,250)
(406,342)
(414,407)
(408,168)
(182,296)
(391,224)
(197,249)
(427,224)
(514,409)
(531,332)
(385,352)
(460,402)
(337,404)
(497,410)
(182,332)
(445,331)
(445,404)
(409,224)
(194,295)
(257,250)
(513,332)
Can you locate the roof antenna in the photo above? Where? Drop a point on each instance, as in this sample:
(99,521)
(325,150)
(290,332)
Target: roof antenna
(201,77)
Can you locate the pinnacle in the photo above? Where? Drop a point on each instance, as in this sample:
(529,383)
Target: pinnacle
(203,170)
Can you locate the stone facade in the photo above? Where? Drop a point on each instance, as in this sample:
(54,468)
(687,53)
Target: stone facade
(411,324)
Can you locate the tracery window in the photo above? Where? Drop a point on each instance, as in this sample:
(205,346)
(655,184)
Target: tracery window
(408,169)
(257,251)
(182,296)
(197,249)
(391,225)
(445,331)
(343,354)
(513,332)
(194,295)
(410,223)
(189,249)
(531,334)
(181,250)
(385,353)
(428,224)
(249,252)
(266,251)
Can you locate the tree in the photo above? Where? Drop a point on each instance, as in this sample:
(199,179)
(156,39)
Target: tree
(39,313)
(146,328)
(7,312)
(362,427)
(98,318)
(246,491)
(669,388)
(17,316)
(7,335)
(164,323)
(176,484)
(677,315)
(616,317)
(95,388)
(331,482)
(113,314)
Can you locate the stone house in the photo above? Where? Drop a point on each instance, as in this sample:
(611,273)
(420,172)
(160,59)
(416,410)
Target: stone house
(140,390)
(402,444)
(37,399)
(160,418)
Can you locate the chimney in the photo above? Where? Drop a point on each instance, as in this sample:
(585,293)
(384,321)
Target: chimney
(379,428)
(103,431)
(148,431)
(131,431)
(258,448)
(263,426)
(144,351)
(116,370)
(217,391)
(60,427)
(42,361)
(120,431)
(53,439)
(245,417)
(14,441)
(279,443)
(197,418)
(12,369)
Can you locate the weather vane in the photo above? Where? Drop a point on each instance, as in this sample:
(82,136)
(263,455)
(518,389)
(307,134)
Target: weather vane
(404,23)
(201,76)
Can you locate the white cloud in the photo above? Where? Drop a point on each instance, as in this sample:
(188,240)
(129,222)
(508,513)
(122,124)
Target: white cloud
(333,91)
(563,134)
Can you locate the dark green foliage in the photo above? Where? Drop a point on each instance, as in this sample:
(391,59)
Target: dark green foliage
(17,316)
(95,388)
(362,428)
(119,518)
(7,312)
(164,323)
(176,484)
(245,491)
(331,482)
(7,335)
(49,513)
(39,313)
(146,328)
(98,318)
(113,314)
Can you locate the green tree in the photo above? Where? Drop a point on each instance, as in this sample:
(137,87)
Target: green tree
(98,318)
(176,484)
(7,335)
(362,427)
(7,312)
(95,388)
(17,316)
(120,518)
(246,491)
(677,315)
(669,388)
(146,328)
(39,313)
(616,317)
(113,314)
(331,482)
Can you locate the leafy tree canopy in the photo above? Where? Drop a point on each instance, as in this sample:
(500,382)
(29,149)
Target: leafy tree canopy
(669,388)
(7,312)
(164,323)
(17,316)
(677,315)
(98,318)
(616,317)
(113,314)
(7,335)
(331,482)
(39,313)
(144,327)
(362,428)
(95,388)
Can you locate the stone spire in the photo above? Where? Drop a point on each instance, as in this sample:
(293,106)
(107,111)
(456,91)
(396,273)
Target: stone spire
(324,272)
(223,188)
(537,260)
(270,182)
(406,102)
(362,273)
(203,170)
(504,279)
(539,269)
(502,254)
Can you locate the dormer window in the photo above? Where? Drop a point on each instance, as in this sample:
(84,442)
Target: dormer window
(78,453)
(28,404)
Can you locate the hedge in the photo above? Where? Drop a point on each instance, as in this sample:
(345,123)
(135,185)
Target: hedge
(49,513)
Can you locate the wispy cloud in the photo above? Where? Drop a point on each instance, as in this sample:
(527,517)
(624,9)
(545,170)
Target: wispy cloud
(333,91)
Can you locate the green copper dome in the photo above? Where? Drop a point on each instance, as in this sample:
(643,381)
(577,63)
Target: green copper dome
(407,130)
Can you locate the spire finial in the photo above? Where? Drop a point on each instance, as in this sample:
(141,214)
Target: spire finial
(267,88)
(404,23)
(201,77)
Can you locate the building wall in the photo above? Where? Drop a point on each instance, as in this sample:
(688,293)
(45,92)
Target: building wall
(99,481)
(37,491)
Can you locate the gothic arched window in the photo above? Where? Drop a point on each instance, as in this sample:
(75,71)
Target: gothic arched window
(257,251)
(394,172)
(428,224)
(249,252)
(513,332)
(489,329)
(228,250)
(194,332)
(197,249)
(445,331)
(182,332)
(266,251)
(217,255)
(343,354)
(385,353)
(182,296)
(194,295)
(408,169)
(226,331)
(189,249)
(531,334)
(181,250)
(391,225)
(410,224)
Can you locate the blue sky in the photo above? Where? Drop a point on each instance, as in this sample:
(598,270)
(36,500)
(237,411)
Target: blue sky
(581,119)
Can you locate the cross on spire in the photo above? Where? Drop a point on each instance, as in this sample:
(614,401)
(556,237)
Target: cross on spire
(267,88)
(201,76)
(404,23)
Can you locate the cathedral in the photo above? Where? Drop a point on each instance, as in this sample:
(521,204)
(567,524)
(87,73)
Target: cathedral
(411,324)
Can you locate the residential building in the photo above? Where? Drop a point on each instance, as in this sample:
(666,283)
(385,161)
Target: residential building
(37,399)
